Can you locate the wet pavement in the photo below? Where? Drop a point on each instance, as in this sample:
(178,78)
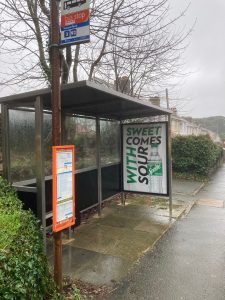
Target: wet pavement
(104,249)
(188,262)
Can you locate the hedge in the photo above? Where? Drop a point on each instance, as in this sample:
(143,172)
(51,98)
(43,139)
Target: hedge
(196,155)
(24,272)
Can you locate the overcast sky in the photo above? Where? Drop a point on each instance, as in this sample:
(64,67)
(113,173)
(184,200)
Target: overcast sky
(205,57)
(203,90)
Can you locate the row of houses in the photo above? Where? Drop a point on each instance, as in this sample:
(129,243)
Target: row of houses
(182,126)
(185,126)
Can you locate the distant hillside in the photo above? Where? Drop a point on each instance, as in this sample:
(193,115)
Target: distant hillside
(216,124)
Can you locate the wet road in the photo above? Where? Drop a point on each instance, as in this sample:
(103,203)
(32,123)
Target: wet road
(189,261)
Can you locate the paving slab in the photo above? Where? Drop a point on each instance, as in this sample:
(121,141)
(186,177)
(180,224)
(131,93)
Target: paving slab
(116,241)
(104,249)
(121,221)
(91,266)
(210,202)
(153,228)
(186,187)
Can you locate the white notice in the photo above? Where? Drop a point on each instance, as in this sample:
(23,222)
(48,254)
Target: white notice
(64,185)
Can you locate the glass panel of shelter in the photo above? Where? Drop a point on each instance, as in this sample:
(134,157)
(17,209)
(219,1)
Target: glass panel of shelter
(81,132)
(110,142)
(21,144)
(77,130)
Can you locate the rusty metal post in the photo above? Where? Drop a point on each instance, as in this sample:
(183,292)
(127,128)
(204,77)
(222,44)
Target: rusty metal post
(55,74)
(56,120)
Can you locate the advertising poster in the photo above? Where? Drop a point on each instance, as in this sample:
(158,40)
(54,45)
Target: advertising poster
(63,187)
(75,22)
(145,158)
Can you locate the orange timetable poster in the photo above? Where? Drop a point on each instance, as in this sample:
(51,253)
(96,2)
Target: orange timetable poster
(63,201)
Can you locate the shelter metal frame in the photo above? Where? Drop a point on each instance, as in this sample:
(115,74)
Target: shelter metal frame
(84,99)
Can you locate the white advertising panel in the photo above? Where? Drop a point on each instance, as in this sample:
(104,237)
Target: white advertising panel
(145,158)
(75,22)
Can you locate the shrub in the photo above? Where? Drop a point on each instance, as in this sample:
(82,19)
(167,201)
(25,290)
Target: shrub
(9,224)
(194,154)
(24,272)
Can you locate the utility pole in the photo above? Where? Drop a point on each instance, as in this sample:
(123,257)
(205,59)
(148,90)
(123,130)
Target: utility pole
(167,99)
(56,120)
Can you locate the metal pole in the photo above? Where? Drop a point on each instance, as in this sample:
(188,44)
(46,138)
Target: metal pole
(98,161)
(170,166)
(40,172)
(167,99)
(5,143)
(123,195)
(169,156)
(56,120)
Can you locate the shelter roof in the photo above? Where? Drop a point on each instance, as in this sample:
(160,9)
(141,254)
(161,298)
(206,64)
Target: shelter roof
(90,99)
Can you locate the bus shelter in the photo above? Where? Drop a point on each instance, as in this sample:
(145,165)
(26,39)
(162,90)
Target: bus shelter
(91,120)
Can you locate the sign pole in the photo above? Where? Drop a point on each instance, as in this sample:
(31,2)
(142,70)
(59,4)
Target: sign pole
(71,33)
(56,120)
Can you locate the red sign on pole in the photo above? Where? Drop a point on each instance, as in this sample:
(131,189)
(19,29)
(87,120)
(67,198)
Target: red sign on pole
(63,198)
(75,18)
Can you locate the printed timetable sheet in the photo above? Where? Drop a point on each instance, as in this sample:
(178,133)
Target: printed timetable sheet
(64,185)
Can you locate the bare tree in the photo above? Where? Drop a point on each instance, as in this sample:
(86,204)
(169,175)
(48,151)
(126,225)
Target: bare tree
(146,50)
(136,39)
